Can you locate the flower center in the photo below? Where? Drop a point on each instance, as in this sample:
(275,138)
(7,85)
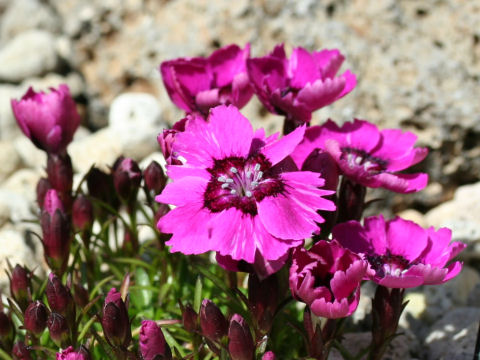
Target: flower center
(389,264)
(360,158)
(240,183)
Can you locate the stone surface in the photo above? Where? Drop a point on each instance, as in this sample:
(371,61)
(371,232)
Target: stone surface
(9,159)
(30,53)
(454,335)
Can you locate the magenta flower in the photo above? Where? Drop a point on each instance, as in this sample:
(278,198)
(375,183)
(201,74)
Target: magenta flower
(262,267)
(368,156)
(298,86)
(152,342)
(401,254)
(198,84)
(166,140)
(49,120)
(327,278)
(70,354)
(235,195)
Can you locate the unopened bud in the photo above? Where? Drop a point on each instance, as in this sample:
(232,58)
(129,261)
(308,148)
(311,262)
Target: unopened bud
(126,178)
(190,319)
(115,321)
(60,298)
(263,296)
(35,318)
(100,186)
(20,351)
(80,295)
(213,323)
(240,344)
(43,186)
(20,286)
(82,213)
(60,172)
(155,179)
(58,327)
(152,342)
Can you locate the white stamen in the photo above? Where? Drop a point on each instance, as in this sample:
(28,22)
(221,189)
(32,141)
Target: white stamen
(222,179)
(233,170)
(224,186)
(233,192)
(229,180)
(254,183)
(248,173)
(259,175)
(257,167)
(358,160)
(248,193)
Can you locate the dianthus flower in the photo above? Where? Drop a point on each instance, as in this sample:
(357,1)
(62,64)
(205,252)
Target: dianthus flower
(401,254)
(198,84)
(70,354)
(327,278)
(235,195)
(48,120)
(298,86)
(368,156)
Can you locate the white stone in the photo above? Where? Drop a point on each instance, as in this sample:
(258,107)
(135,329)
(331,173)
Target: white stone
(9,159)
(31,53)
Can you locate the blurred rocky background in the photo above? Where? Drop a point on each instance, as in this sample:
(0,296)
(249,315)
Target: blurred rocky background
(418,68)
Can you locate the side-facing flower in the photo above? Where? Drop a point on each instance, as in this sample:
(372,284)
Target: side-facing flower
(115,321)
(56,227)
(298,86)
(152,342)
(198,84)
(237,193)
(369,156)
(401,253)
(327,278)
(49,120)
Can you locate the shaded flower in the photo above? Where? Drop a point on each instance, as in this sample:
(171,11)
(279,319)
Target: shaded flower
(261,267)
(369,156)
(49,120)
(152,342)
(298,86)
(327,278)
(115,321)
(198,84)
(402,254)
(237,193)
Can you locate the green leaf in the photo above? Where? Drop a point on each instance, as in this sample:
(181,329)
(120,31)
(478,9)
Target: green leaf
(141,294)
(85,328)
(197,299)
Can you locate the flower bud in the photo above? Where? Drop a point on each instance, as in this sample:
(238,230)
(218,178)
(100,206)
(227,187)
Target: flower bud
(240,344)
(80,295)
(35,317)
(56,233)
(115,321)
(213,323)
(60,298)
(82,213)
(48,120)
(126,178)
(60,172)
(20,351)
(100,186)
(263,296)
(269,355)
(43,186)
(155,179)
(70,354)
(7,331)
(20,286)
(58,327)
(152,342)
(189,319)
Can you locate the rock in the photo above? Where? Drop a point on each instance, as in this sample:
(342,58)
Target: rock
(24,15)
(31,156)
(454,335)
(413,215)
(9,159)
(403,347)
(441,299)
(460,215)
(18,248)
(31,53)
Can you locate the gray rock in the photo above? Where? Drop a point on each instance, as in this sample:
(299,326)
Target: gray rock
(23,15)
(9,159)
(454,335)
(31,53)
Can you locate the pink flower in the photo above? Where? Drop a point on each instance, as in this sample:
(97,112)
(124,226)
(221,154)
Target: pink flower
(263,268)
(70,354)
(368,156)
(49,120)
(198,84)
(401,254)
(235,194)
(327,278)
(166,140)
(152,342)
(298,86)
